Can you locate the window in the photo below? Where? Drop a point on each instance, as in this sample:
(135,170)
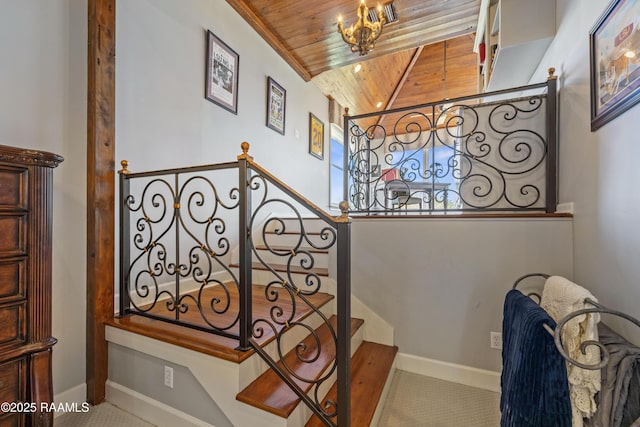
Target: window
(336,171)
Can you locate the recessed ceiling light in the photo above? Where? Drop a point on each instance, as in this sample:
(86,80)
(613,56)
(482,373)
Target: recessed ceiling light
(357,68)
(379,104)
(630,54)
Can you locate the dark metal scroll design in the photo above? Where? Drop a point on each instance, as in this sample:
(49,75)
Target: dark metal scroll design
(596,307)
(450,157)
(292,288)
(181,238)
(175,253)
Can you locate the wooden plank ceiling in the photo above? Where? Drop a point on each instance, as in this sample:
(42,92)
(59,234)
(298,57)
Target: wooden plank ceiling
(405,68)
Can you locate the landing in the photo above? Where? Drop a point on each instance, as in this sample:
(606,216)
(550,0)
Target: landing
(210,343)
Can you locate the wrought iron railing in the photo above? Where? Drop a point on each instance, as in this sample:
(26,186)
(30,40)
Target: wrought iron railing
(491,152)
(179,230)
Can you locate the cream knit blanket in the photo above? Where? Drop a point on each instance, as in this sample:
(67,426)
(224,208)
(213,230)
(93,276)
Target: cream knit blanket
(561,297)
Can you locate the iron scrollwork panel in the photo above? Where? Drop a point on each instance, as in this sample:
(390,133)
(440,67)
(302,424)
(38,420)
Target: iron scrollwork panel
(180,250)
(454,157)
(292,284)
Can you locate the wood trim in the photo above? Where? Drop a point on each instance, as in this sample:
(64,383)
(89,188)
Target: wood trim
(454,216)
(402,81)
(256,23)
(100,190)
(29,157)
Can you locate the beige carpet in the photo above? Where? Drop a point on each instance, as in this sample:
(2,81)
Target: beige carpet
(104,415)
(413,401)
(418,401)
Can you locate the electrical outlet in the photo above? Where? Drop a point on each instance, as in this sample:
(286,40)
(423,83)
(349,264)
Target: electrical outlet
(495,340)
(168,376)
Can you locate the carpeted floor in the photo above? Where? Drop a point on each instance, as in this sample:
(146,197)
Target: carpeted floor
(104,415)
(413,401)
(418,401)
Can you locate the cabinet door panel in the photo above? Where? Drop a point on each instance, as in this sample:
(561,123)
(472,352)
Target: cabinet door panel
(12,280)
(12,381)
(13,188)
(14,327)
(12,235)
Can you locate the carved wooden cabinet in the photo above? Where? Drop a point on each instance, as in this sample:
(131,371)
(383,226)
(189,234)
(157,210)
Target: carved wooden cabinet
(25,282)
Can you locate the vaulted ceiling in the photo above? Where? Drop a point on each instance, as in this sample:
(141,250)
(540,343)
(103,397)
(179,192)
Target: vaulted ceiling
(407,66)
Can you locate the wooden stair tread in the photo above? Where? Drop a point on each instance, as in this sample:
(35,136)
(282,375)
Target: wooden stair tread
(283,268)
(370,367)
(208,342)
(287,249)
(270,393)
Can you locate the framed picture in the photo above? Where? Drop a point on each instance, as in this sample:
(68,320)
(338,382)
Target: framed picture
(614,44)
(221,86)
(316,137)
(276,105)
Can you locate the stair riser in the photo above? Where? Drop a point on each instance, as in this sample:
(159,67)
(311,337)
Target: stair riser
(313,225)
(327,284)
(297,240)
(320,260)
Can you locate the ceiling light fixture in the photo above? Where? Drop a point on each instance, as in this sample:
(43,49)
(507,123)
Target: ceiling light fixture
(361,37)
(379,104)
(357,68)
(444,106)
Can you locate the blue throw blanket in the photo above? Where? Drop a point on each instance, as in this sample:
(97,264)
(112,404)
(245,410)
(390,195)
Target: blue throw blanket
(535,390)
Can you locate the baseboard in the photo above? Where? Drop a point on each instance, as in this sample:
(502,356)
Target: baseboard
(77,394)
(461,374)
(148,409)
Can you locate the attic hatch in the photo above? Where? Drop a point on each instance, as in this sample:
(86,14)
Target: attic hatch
(389,11)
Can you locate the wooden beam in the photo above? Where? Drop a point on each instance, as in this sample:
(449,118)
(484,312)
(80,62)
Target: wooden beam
(254,20)
(100,189)
(401,82)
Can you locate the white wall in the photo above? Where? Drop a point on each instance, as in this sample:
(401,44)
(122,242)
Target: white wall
(441,282)
(163,119)
(598,170)
(43,70)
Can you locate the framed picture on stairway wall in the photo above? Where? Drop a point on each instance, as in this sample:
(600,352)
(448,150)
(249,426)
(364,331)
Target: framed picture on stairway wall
(276,106)
(221,86)
(316,137)
(614,45)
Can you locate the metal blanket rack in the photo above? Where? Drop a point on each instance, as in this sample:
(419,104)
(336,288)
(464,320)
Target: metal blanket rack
(597,308)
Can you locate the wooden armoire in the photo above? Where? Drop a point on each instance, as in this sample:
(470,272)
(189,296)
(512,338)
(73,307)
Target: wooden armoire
(25,282)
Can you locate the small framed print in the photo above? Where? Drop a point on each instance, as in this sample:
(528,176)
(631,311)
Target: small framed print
(615,61)
(316,137)
(276,106)
(221,86)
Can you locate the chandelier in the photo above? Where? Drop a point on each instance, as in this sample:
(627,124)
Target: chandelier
(361,37)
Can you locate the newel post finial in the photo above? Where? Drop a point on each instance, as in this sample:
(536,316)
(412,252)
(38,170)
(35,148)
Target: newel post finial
(124,170)
(344,209)
(346,111)
(552,75)
(245,152)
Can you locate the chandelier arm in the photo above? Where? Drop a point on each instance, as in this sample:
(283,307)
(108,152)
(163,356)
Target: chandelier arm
(363,35)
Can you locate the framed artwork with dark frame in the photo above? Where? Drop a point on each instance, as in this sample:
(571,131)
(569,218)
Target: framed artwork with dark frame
(221,86)
(614,46)
(276,106)
(316,137)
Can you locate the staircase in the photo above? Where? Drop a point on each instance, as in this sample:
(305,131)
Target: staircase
(249,392)
(372,364)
